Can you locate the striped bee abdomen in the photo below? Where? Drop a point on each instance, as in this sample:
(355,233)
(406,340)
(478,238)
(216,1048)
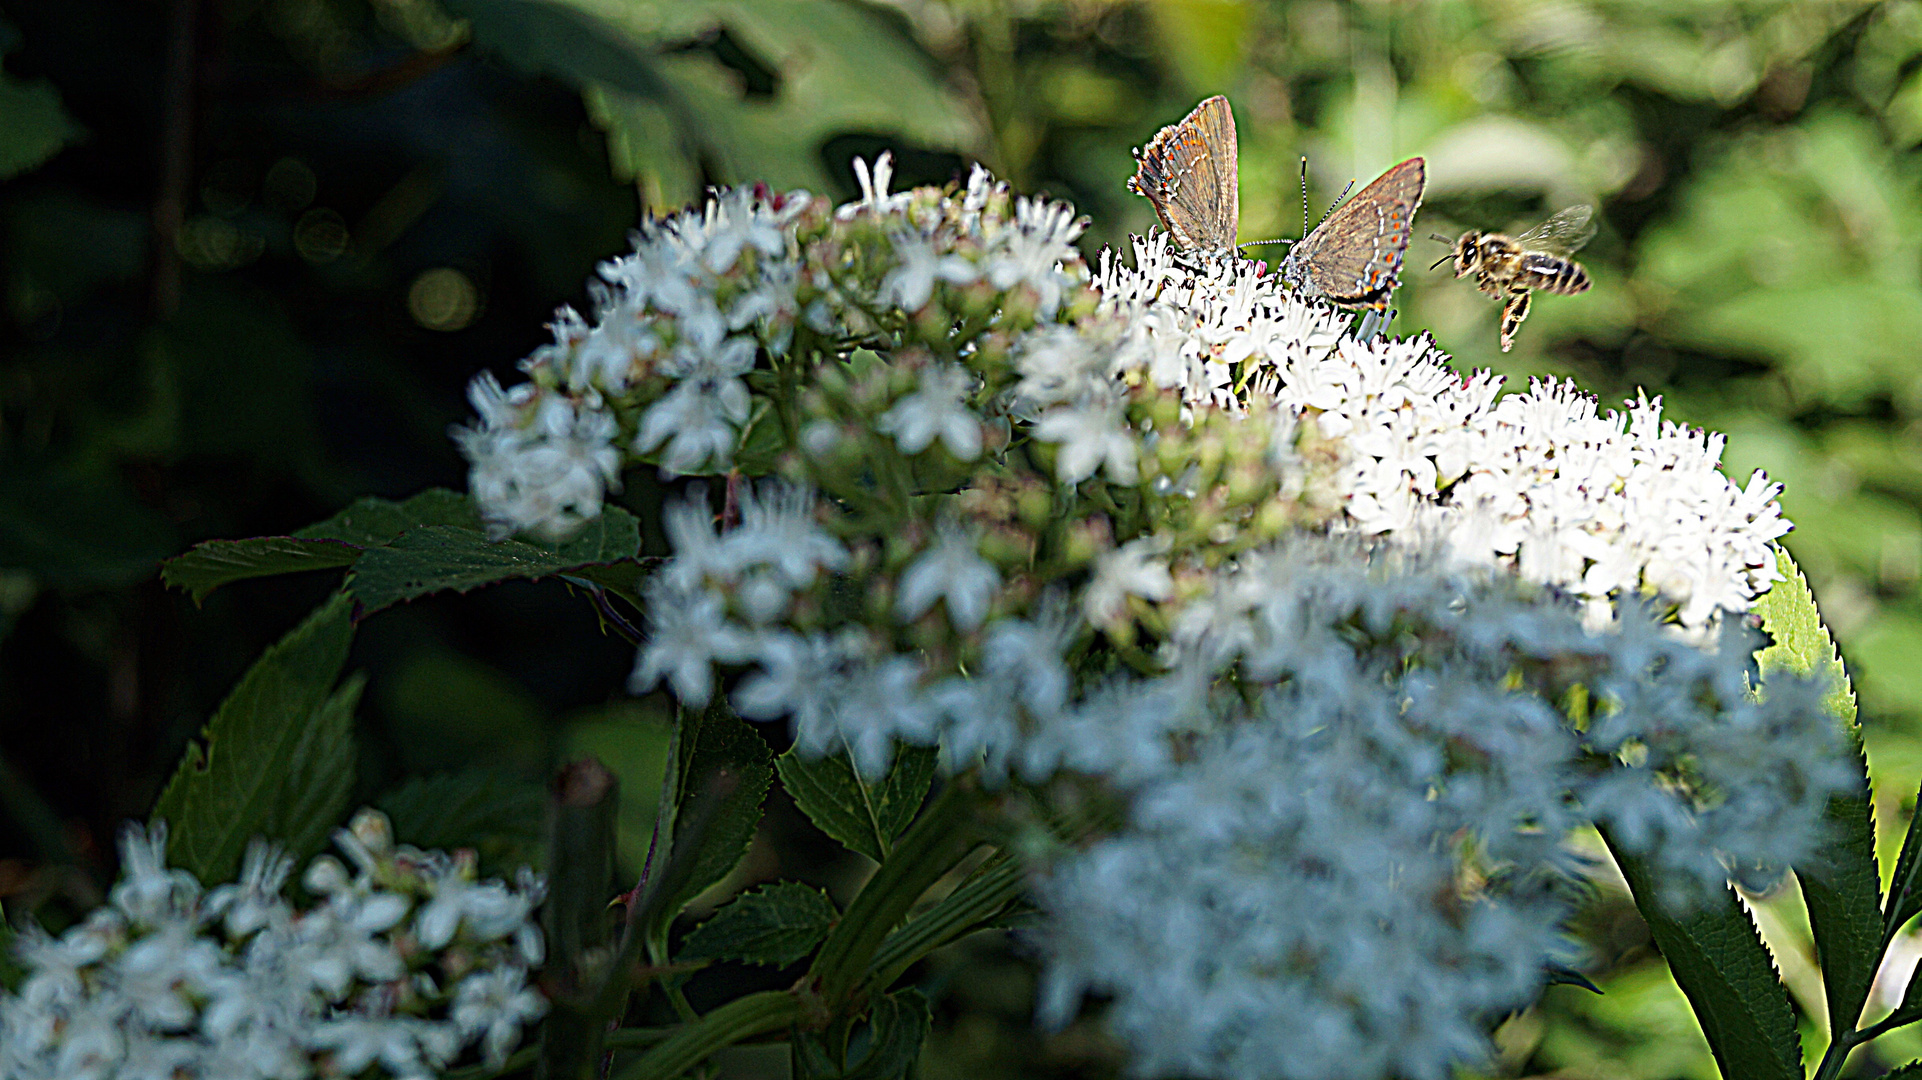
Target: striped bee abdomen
(1551,274)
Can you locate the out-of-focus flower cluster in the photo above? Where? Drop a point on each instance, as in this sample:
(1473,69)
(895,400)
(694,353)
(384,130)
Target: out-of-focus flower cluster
(1356,866)
(406,962)
(1355,639)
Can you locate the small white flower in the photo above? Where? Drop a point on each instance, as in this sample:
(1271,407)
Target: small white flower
(495,1005)
(779,529)
(950,570)
(689,633)
(1133,569)
(910,285)
(874,189)
(1092,437)
(148,892)
(938,408)
(255,900)
(1032,253)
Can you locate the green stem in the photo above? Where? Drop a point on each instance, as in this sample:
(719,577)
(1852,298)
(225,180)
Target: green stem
(742,1018)
(998,884)
(932,845)
(582,807)
(618,1039)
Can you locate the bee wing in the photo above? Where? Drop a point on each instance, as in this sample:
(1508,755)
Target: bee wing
(1563,234)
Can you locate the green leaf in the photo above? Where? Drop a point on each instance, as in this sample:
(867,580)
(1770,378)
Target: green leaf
(1802,644)
(435,558)
(11,973)
(33,124)
(888,1048)
(1719,961)
(776,925)
(209,565)
(864,817)
(370,522)
(498,816)
(838,67)
(1911,1071)
(1841,884)
(713,747)
(335,542)
(568,41)
(276,760)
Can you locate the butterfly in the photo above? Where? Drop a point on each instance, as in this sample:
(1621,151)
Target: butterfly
(1353,258)
(1187,171)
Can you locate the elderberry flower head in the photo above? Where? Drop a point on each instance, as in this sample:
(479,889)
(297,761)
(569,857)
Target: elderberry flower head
(1602,504)
(408,962)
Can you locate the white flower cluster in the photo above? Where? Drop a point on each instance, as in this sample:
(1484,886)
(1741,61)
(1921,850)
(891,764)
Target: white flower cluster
(1601,504)
(660,373)
(1353,867)
(404,963)
(702,292)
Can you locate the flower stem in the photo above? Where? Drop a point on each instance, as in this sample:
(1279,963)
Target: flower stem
(993,889)
(742,1018)
(942,835)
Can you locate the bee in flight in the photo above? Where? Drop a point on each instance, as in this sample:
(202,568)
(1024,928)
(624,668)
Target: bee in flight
(1510,267)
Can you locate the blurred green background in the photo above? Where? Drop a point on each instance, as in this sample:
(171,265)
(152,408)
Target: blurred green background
(251,250)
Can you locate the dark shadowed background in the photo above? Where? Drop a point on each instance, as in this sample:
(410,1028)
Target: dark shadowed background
(251,251)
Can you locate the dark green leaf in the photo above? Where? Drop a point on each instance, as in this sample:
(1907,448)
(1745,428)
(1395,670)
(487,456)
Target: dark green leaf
(776,924)
(338,541)
(497,816)
(1911,1071)
(277,758)
(864,817)
(370,522)
(1722,966)
(715,750)
(561,40)
(33,124)
(1841,883)
(888,1048)
(207,566)
(435,558)
(1905,889)
(1563,975)
(11,972)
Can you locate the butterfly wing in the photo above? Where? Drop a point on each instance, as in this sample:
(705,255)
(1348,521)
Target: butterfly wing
(1354,258)
(1188,172)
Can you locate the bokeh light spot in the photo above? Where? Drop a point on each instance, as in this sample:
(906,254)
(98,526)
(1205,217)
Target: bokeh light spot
(443,299)
(289,185)
(321,235)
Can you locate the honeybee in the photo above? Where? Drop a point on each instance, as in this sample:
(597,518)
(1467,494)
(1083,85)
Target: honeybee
(1511,267)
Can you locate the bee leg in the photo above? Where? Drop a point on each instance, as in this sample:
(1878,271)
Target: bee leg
(1513,312)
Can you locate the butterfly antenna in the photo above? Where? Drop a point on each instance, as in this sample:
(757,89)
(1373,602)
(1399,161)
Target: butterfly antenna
(1304,195)
(1259,243)
(1332,206)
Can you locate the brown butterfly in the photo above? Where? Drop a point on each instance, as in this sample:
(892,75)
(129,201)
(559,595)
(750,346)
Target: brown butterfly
(1353,258)
(1188,172)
